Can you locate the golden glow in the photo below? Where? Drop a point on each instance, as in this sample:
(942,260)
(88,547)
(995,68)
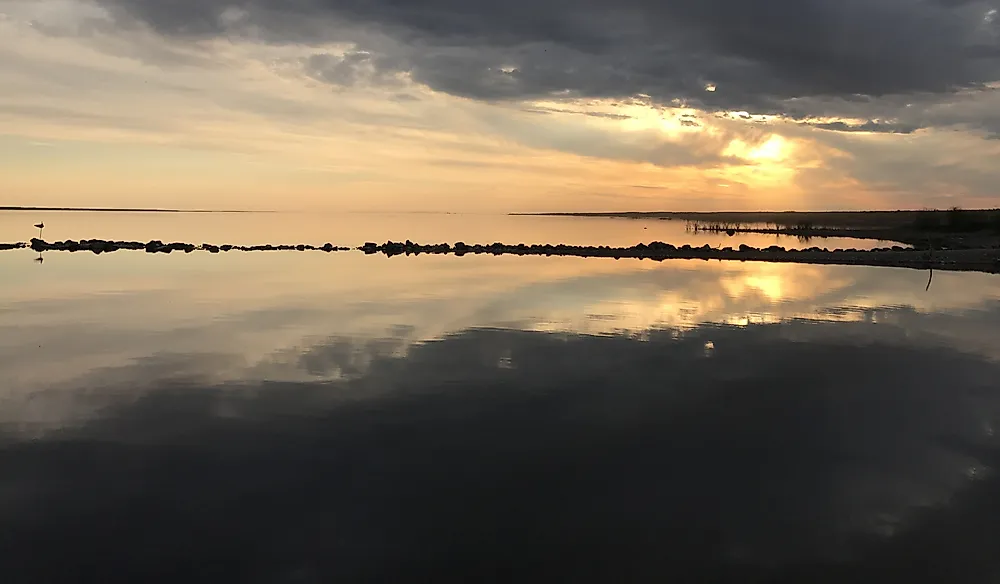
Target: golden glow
(770,285)
(251,129)
(737,294)
(257,134)
(630,116)
(774,149)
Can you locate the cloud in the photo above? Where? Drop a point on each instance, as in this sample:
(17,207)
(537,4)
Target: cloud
(937,169)
(438,69)
(869,126)
(352,68)
(976,110)
(442,453)
(756,56)
(553,110)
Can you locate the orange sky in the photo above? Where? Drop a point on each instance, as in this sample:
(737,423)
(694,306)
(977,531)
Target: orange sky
(84,123)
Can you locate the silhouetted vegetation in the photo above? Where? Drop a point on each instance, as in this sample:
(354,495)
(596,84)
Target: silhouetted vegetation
(732,228)
(956,220)
(829,220)
(953,228)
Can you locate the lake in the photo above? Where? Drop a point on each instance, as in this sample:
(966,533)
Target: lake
(311,417)
(354,229)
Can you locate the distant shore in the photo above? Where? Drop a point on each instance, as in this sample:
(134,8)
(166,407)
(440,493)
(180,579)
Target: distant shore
(857,219)
(923,229)
(122,210)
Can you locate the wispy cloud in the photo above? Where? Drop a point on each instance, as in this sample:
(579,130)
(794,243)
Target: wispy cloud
(617,90)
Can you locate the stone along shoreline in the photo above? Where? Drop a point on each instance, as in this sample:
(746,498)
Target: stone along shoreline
(981,260)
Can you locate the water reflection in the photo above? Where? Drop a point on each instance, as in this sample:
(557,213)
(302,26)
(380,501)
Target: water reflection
(87,312)
(305,418)
(353,229)
(526,454)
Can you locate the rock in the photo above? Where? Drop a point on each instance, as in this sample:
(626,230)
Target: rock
(656,250)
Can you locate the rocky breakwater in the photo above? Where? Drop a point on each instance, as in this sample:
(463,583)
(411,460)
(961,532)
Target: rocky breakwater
(97,246)
(985,260)
(100,246)
(18,245)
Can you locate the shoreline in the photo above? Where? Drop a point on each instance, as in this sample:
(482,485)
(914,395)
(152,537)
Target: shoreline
(951,229)
(978,260)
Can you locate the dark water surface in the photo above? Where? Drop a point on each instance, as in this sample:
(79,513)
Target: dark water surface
(342,418)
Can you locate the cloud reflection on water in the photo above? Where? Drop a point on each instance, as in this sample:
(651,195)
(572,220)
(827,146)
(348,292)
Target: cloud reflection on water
(250,312)
(474,418)
(584,457)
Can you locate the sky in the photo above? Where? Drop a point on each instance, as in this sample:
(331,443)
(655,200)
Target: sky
(482,106)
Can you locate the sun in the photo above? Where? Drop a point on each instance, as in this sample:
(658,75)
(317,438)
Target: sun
(774,149)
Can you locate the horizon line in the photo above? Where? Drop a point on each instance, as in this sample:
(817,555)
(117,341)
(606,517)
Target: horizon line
(125,210)
(606,213)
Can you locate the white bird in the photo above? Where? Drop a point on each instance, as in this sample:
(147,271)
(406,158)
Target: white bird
(40,226)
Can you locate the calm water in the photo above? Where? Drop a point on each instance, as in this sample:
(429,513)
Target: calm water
(354,229)
(305,417)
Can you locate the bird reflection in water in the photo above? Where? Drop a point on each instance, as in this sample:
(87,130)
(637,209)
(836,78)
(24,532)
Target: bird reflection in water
(40,226)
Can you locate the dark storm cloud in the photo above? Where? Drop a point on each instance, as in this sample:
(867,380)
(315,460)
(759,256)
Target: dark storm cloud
(758,54)
(977,110)
(869,126)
